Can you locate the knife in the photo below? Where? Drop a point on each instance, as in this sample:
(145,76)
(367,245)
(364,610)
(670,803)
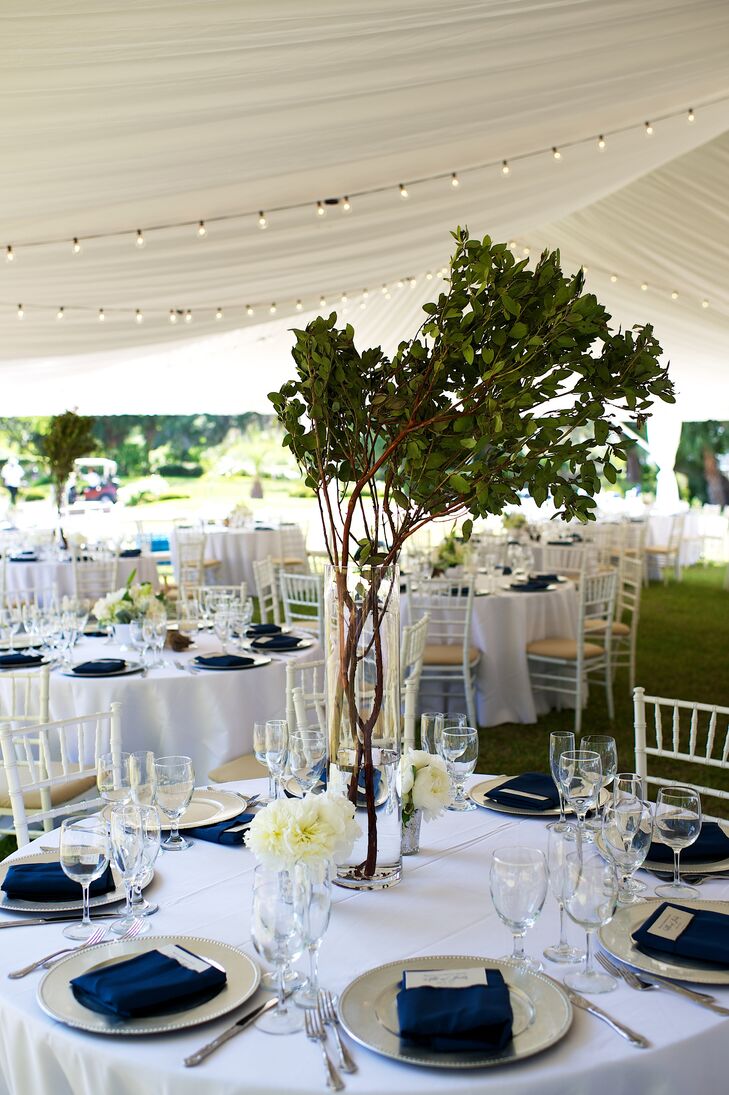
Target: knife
(702,998)
(243,1022)
(31,922)
(634,1038)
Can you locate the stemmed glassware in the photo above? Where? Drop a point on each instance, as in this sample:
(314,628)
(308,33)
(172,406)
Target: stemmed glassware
(446,722)
(154,629)
(559,742)
(428,723)
(175,785)
(580,777)
(112,777)
(84,855)
(592,893)
(314,895)
(607,750)
(561,839)
(223,625)
(259,748)
(518,881)
(278,938)
(276,733)
(307,756)
(137,637)
(678,824)
(188,617)
(627,831)
(142,777)
(151,844)
(459,749)
(126,838)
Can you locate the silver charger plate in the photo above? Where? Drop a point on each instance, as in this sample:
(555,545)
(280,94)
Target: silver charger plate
(478,792)
(715,866)
(129,669)
(616,938)
(304,642)
(45,660)
(57,999)
(257,663)
(208,808)
(368,1011)
(18,905)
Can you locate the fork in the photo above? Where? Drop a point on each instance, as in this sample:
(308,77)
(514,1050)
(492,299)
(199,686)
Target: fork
(315,1033)
(95,937)
(185,668)
(329,1018)
(635,982)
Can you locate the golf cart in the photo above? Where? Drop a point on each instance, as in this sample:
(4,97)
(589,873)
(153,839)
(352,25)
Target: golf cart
(93,480)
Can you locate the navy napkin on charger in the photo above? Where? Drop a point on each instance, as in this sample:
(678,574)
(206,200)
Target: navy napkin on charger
(47,882)
(224,661)
(533,585)
(130,553)
(712,844)
(276,642)
(457,1020)
(529,783)
(19,660)
(220,833)
(149,984)
(542,577)
(705,937)
(101,667)
(24,557)
(263,629)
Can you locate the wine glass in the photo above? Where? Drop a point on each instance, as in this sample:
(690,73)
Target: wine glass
(592,893)
(314,895)
(155,633)
(518,880)
(241,619)
(278,938)
(559,743)
(175,785)
(142,777)
(446,722)
(259,748)
(112,777)
(277,748)
(627,831)
(307,756)
(459,749)
(223,626)
(628,783)
(677,824)
(84,854)
(188,617)
(607,750)
(580,775)
(428,723)
(561,840)
(151,844)
(138,638)
(126,837)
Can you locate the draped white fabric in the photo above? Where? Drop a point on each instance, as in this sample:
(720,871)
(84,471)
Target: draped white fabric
(152,111)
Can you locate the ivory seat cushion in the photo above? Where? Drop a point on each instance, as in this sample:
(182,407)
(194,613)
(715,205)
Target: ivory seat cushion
(245,767)
(306,625)
(449,654)
(209,563)
(64,792)
(599,625)
(564,649)
(654,549)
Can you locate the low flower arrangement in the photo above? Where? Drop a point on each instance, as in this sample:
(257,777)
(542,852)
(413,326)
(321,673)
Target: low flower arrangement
(131,602)
(451,552)
(425,784)
(316,831)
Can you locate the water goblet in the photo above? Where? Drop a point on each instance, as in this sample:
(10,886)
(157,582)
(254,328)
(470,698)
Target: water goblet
(627,831)
(125,843)
(259,748)
(84,856)
(175,785)
(677,824)
(278,938)
(559,743)
(142,777)
(580,775)
(459,749)
(561,839)
(518,881)
(446,722)
(592,893)
(428,723)
(138,638)
(314,895)
(223,626)
(628,783)
(607,750)
(112,777)
(188,617)
(307,756)
(277,748)
(151,844)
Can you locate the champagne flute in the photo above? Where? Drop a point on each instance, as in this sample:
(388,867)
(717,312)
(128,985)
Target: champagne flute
(307,756)
(277,937)
(459,749)
(627,830)
(277,749)
(84,855)
(112,777)
(607,750)
(559,743)
(592,893)
(126,852)
(428,723)
(259,748)
(518,881)
(142,777)
(446,722)
(151,844)
(314,894)
(561,840)
(175,785)
(678,824)
(580,775)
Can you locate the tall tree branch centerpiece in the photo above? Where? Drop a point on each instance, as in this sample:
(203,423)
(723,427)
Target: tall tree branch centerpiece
(515,381)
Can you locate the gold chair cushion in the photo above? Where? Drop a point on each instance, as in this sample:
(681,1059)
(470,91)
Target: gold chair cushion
(209,563)
(245,767)
(564,649)
(62,792)
(654,549)
(449,654)
(599,625)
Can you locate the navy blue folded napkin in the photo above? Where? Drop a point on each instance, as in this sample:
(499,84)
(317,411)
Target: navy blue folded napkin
(534,585)
(221,833)
(96,633)
(263,629)
(224,661)
(711,845)
(101,667)
(130,553)
(457,1020)
(24,557)
(47,882)
(459,591)
(150,984)
(516,792)
(560,543)
(19,660)
(548,578)
(277,642)
(705,935)
(264,528)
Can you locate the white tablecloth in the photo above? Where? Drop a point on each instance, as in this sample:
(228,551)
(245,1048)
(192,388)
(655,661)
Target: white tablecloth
(442,906)
(42,576)
(659,530)
(236,549)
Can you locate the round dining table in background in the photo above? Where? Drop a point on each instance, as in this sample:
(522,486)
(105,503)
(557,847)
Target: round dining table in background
(237,549)
(54,574)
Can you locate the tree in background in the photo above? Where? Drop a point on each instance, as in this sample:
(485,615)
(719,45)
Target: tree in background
(69,437)
(701,444)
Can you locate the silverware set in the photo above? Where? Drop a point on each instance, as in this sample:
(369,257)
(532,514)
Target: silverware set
(96,936)
(646,982)
(624,1031)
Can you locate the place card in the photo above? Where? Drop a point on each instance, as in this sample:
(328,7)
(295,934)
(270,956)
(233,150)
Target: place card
(185,958)
(445,979)
(522,794)
(671,923)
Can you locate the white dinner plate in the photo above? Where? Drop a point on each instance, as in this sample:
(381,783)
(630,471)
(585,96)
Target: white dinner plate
(715,866)
(57,1000)
(208,808)
(200,667)
(478,794)
(129,669)
(616,938)
(368,1010)
(18,905)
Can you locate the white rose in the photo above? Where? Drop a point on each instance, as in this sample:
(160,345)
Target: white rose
(266,835)
(340,815)
(432,789)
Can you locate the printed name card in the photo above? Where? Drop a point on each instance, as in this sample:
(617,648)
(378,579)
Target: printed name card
(445,979)
(185,958)
(523,794)
(671,923)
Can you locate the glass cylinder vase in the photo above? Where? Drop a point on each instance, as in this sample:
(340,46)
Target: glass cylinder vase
(362,614)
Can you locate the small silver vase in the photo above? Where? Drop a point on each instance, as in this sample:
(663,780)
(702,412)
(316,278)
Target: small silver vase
(411,834)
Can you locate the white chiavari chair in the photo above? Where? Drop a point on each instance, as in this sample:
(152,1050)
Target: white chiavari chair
(191,567)
(667,556)
(32,599)
(306,694)
(412,652)
(94,578)
(302,596)
(291,549)
(269,606)
(571,560)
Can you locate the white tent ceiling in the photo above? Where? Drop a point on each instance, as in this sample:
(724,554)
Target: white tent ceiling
(125,115)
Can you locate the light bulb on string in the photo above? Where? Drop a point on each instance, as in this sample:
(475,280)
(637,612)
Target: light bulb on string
(102,317)
(249,310)
(139,318)
(601,142)
(20,312)
(428,276)
(400,284)
(674,295)
(388,296)
(525,251)
(403,191)
(346,204)
(505,169)
(704,304)
(384,290)
(513,245)
(365,293)
(140,238)
(9,253)
(173,315)
(613,278)
(299,306)
(201,229)
(60,313)
(322,302)
(272,309)
(262,222)
(644,287)
(320,210)
(648,129)
(691,117)
(219,313)
(76,246)
(413,283)
(556,153)
(455,181)
(188,316)
(345,298)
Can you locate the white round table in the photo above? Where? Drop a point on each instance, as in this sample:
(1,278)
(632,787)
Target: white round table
(441,907)
(46,575)
(237,549)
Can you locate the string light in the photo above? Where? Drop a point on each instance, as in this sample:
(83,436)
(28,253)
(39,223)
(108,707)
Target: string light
(9,253)
(384,290)
(346,204)
(613,278)
(556,153)
(76,245)
(320,210)
(365,293)
(219,313)
(201,229)
(59,313)
(20,312)
(413,283)
(648,129)
(403,191)
(249,310)
(262,222)
(322,302)
(601,142)
(691,117)
(400,284)
(299,306)
(138,316)
(455,181)
(345,298)
(272,309)
(704,304)
(428,276)
(140,238)
(173,315)
(674,295)
(644,287)
(505,169)
(188,316)
(525,251)
(102,317)
(512,245)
